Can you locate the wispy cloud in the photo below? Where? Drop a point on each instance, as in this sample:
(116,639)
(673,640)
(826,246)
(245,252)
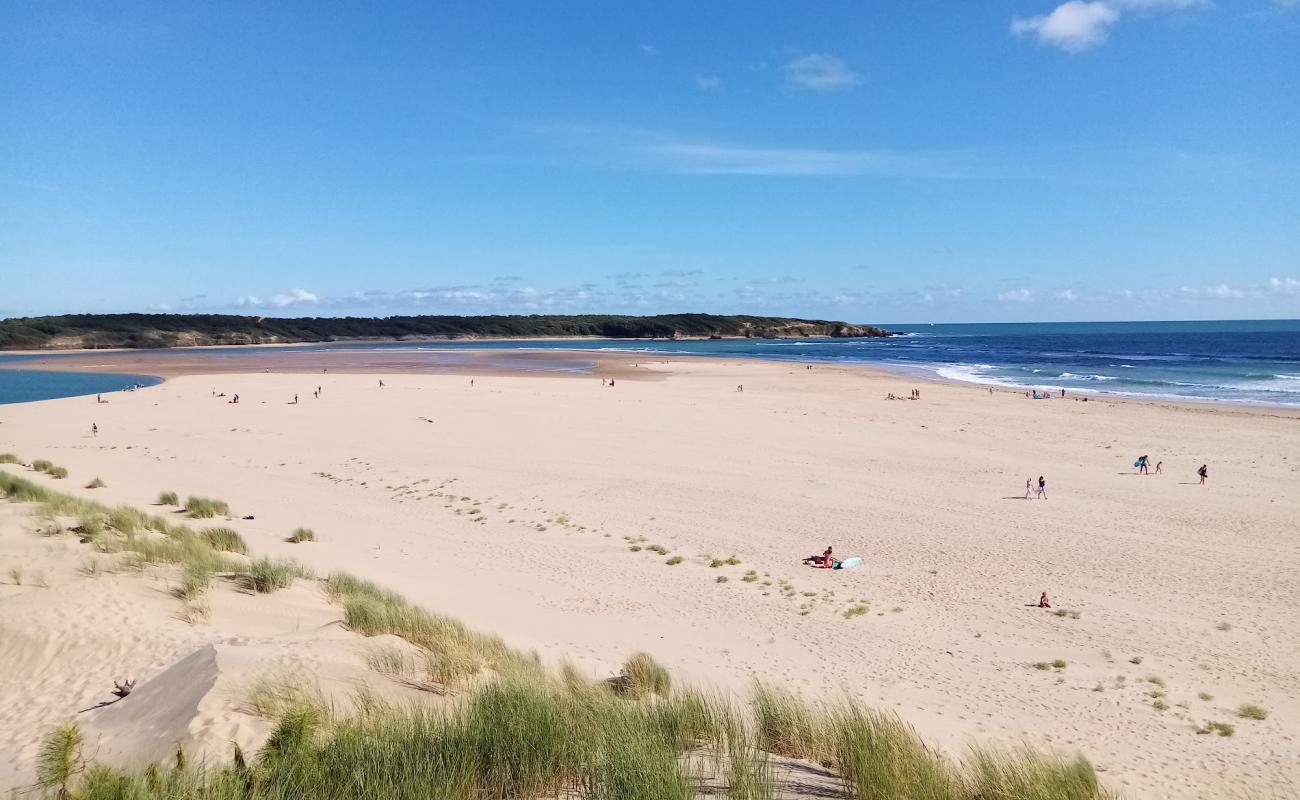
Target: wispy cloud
(1021,295)
(710,158)
(291,298)
(1079,25)
(820,72)
(648,49)
(708,83)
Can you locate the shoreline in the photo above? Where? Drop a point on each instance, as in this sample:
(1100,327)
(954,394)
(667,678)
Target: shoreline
(173,363)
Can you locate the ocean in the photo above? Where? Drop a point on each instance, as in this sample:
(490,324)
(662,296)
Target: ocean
(1253,361)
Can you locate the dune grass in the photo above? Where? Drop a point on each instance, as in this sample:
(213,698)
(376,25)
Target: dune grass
(302,535)
(1251,711)
(58,473)
(266,575)
(168,499)
(641,675)
(9,458)
(42,465)
(206,508)
(225,539)
(96,483)
(529,733)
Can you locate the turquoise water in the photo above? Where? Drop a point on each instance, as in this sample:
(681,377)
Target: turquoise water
(1227,361)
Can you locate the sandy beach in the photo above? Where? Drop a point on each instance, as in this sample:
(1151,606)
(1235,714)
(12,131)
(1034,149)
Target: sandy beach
(527,505)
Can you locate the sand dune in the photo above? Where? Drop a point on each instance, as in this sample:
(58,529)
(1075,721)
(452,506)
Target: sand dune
(515,506)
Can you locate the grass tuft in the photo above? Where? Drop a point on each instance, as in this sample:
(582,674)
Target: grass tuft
(641,675)
(302,535)
(96,484)
(265,576)
(205,508)
(1251,711)
(168,499)
(226,540)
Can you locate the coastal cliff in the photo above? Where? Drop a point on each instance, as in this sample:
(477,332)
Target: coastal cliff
(135,331)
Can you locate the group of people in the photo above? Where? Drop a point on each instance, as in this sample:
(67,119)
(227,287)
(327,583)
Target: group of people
(826,560)
(1041,488)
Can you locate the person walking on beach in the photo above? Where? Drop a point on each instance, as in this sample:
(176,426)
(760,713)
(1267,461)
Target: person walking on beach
(1159,465)
(1142,465)
(1204,473)
(381,383)
(1042,488)
(1029,487)
(94,431)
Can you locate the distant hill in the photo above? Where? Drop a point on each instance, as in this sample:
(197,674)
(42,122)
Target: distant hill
(77,331)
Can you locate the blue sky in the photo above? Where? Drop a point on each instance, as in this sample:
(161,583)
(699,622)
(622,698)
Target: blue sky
(870,161)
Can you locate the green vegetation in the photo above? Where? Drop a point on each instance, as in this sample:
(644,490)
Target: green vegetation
(59,760)
(302,535)
(642,675)
(720,579)
(674,561)
(225,539)
(171,330)
(1058,664)
(1206,696)
(168,499)
(265,576)
(9,458)
(1221,728)
(96,484)
(41,465)
(856,611)
(1155,679)
(204,508)
(1250,711)
(58,473)
(750,576)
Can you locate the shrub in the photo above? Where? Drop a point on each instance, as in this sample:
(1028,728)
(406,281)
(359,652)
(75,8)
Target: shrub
(168,499)
(750,576)
(642,675)
(856,611)
(302,535)
(204,508)
(720,579)
(1058,664)
(1249,711)
(96,484)
(41,465)
(1206,696)
(225,539)
(59,759)
(58,473)
(9,458)
(674,561)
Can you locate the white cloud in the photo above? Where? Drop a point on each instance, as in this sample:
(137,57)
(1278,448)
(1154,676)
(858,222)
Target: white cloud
(649,49)
(248,300)
(708,83)
(1285,285)
(1078,25)
(1074,26)
(1067,295)
(294,297)
(820,72)
(1021,295)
